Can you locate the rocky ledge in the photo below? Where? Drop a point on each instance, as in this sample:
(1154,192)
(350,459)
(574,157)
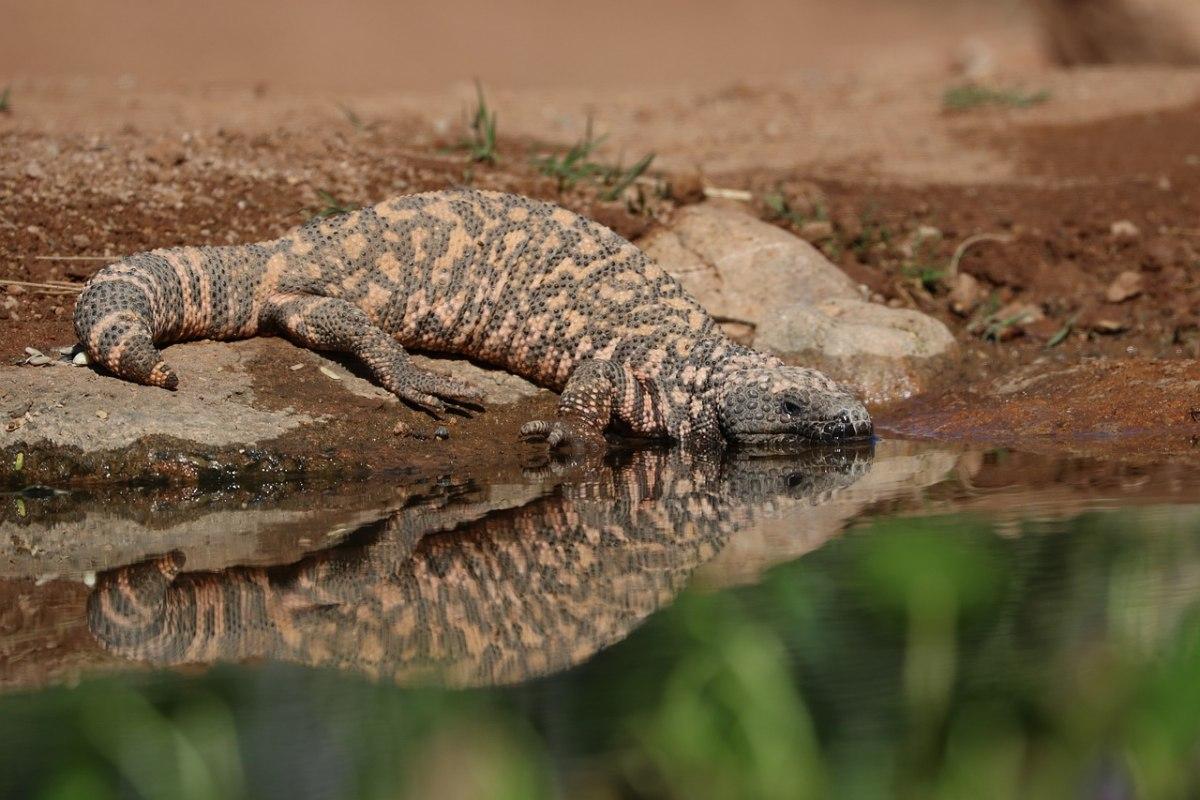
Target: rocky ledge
(260,406)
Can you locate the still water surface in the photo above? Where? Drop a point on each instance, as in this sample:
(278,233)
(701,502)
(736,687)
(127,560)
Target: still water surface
(898,621)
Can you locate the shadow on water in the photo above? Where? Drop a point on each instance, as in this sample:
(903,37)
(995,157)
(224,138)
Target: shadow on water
(903,620)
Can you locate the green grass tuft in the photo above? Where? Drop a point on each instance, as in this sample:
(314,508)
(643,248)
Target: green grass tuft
(970,95)
(6,100)
(780,208)
(623,179)
(351,117)
(481,144)
(332,206)
(574,165)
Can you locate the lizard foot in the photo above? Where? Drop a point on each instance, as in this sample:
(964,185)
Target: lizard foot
(429,389)
(564,433)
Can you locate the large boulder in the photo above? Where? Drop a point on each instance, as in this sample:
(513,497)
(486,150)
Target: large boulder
(780,294)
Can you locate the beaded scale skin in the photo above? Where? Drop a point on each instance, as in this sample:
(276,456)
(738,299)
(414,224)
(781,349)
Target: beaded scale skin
(502,279)
(449,592)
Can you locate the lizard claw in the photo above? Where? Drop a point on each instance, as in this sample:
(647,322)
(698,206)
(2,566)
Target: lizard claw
(423,388)
(563,433)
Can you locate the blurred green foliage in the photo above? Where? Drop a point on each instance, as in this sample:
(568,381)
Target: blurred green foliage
(939,657)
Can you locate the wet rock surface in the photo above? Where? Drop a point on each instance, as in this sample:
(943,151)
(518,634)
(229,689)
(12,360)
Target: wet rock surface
(779,293)
(1127,409)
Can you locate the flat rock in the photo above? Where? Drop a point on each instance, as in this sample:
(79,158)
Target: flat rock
(260,405)
(784,296)
(79,407)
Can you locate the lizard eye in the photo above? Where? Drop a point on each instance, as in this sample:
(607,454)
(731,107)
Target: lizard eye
(791,407)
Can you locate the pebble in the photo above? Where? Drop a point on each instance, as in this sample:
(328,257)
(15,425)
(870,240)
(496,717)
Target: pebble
(295,367)
(80,359)
(102,414)
(80,240)
(330,373)
(401,429)
(817,230)
(1124,229)
(442,432)
(966,294)
(1125,286)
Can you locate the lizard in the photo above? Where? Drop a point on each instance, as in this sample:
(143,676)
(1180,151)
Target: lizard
(436,592)
(502,279)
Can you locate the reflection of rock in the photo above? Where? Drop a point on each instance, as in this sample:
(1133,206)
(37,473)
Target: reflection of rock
(801,306)
(68,535)
(898,467)
(513,594)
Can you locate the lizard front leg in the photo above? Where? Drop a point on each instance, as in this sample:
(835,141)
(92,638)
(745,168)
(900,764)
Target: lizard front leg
(329,323)
(598,394)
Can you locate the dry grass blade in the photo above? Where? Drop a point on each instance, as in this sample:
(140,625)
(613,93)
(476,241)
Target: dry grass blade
(76,258)
(970,242)
(728,194)
(53,287)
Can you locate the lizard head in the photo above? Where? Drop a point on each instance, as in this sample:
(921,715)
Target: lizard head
(762,405)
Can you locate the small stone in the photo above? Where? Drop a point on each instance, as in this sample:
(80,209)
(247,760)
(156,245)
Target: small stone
(966,294)
(34,170)
(1124,230)
(80,359)
(1108,325)
(81,241)
(817,230)
(401,428)
(1125,286)
(38,360)
(330,373)
(102,414)
(1012,320)
(295,367)
(32,351)
(442,432)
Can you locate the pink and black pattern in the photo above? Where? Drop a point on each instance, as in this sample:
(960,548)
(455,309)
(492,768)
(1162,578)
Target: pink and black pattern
(505,280)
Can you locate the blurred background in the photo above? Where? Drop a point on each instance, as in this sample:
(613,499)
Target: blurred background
(375,44)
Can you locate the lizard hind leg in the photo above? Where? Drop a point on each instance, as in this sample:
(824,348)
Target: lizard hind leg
(329,323)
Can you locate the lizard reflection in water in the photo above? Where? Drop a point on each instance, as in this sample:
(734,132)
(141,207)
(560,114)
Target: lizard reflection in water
(508,596)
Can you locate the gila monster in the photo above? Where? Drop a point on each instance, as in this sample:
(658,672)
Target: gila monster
(502,279)
(438,592)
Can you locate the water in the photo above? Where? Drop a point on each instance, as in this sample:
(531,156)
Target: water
(910,621)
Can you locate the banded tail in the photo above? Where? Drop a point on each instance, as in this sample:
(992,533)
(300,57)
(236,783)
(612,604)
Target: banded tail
(164,296)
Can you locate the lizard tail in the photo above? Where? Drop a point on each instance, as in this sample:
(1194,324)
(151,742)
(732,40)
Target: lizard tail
(115,322)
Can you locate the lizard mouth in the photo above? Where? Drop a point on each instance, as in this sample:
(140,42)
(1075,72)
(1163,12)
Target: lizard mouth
(837,430)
